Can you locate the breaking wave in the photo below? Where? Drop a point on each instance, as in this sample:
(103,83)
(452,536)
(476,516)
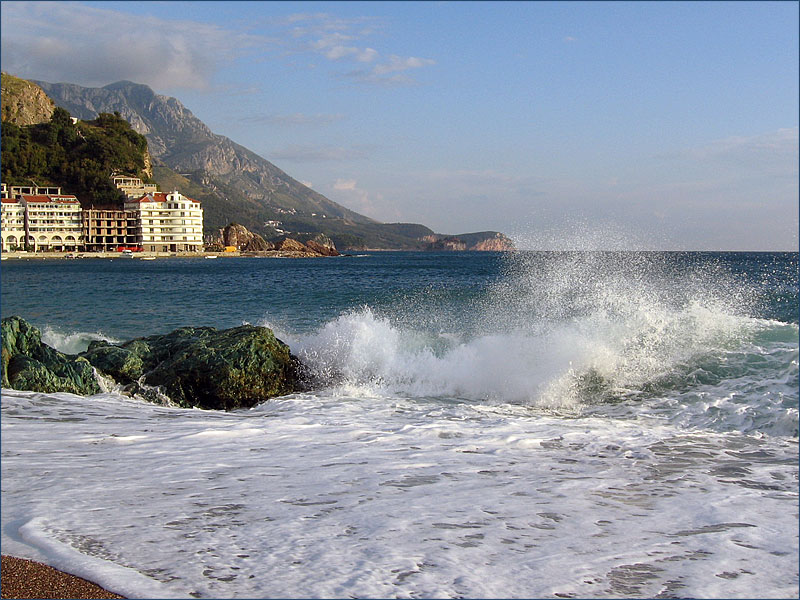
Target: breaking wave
(73,342)
(567,332)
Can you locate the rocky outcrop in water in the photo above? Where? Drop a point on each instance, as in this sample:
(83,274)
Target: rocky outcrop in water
(484,241)
(239,237)
(319,246)
(322,245)
(444,243)
(496,243)
(202,367)
(197,367)
(290,245)
(28,364)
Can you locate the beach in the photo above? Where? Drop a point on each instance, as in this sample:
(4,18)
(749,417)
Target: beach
(22,578)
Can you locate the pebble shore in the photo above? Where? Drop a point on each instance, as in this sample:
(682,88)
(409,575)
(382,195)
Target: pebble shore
(22,578)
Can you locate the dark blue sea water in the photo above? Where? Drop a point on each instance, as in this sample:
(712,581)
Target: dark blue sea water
(126,298)
(535,424)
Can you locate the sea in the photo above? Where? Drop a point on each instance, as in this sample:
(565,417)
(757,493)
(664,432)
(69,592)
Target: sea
(534,424)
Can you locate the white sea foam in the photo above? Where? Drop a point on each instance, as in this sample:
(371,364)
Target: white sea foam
(324,495)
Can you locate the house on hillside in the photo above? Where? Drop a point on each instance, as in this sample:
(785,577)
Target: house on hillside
(133,187)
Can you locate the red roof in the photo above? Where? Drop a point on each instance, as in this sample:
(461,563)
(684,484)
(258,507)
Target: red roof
(10,201)
(50,199)
(155,197)
(159,197)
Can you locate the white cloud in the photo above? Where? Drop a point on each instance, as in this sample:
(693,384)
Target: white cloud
(397,63)
(345,184)
(777,145)
(60,41)
(92,46)
(338,40)
(773,154)
(347,192)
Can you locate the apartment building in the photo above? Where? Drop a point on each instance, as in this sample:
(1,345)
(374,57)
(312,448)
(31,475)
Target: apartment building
(106,229)
(52,222)
(167,222)
(12,223)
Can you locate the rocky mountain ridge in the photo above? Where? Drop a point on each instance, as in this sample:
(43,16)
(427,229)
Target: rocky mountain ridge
(234,183)
(185,144)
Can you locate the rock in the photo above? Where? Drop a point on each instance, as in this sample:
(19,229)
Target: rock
(198,367)
(123,365)
(445,243)
(258,244)
(24,103)
(483,241)
(290,245)
(239,237)
(322,245)
(28,364)
(498,243)
(203,367)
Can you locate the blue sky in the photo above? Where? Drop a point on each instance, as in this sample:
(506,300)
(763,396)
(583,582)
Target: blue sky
(645,124)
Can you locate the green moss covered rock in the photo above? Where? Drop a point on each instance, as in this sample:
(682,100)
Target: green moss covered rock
(29,364)
(204,367)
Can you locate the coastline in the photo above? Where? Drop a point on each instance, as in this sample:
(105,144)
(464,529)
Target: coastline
(23,578)
(155,255)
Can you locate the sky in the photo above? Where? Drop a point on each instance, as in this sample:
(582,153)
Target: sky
(663,125)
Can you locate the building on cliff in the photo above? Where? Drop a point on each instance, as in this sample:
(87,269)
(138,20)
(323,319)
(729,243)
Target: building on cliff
(133,187)
(167,222)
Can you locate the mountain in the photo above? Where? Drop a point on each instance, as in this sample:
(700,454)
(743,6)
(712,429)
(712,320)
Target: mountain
(24,103)
(232,182)
(77,157)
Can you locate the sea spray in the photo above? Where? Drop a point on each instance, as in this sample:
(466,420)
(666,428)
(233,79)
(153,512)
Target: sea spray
(559,331)
(73,342)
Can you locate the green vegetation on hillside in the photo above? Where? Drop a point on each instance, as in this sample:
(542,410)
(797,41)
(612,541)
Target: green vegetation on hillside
(80,157)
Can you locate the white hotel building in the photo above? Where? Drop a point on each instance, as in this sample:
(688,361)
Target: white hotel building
(12,223)
(44,219)
(46,222)
(167,222)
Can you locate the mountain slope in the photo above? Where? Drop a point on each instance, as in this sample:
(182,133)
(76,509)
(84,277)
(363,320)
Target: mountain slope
(185,144)
(234,183)
(24,103)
